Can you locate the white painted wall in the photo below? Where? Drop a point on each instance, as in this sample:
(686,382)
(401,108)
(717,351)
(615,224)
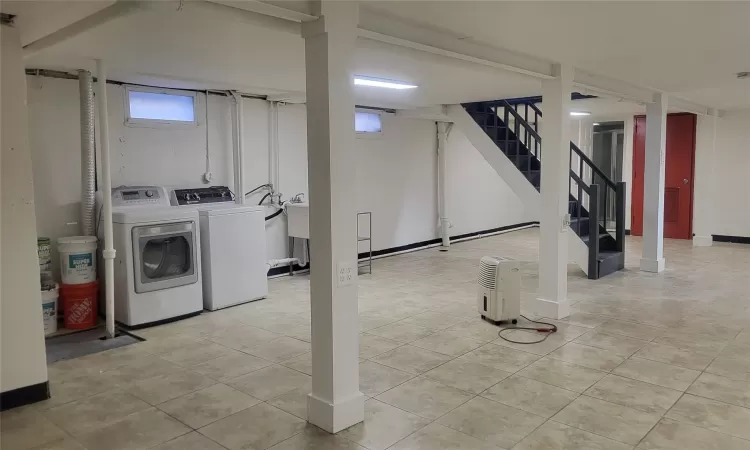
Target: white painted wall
(21,331)
(397,181)
(731,193)
(396,170)
(477,198)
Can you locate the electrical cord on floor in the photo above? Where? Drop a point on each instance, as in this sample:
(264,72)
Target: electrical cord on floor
(547,331)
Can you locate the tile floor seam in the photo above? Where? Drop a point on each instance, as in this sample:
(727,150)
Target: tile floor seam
(685,392)
(600,435)
(699,426)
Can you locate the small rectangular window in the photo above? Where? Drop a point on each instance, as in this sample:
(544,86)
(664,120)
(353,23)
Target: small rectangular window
(367,122)
(160,107)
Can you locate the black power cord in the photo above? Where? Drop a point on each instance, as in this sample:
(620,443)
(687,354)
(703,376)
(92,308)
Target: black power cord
(547,331)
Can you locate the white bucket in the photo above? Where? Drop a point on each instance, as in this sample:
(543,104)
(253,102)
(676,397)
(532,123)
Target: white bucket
(77,259)
(49,309)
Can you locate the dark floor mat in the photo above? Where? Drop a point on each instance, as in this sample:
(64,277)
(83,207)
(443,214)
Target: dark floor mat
(85,343)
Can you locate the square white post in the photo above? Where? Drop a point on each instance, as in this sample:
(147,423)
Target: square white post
(652,259)
(553,243)
(335,402)
(703,187)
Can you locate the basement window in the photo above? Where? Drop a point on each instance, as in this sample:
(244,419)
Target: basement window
(367,123)
(152,107)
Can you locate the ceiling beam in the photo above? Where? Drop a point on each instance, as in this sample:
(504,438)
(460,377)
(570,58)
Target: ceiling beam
(268,9)
(610,87)
(383,28)
(118,9)
(688,106)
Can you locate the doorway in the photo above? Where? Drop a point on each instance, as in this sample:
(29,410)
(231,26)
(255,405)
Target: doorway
(678,179)
(607,153)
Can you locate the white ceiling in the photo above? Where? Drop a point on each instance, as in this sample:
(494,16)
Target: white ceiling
(689,48)
(192,49)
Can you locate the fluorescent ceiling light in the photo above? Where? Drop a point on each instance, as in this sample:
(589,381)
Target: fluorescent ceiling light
(580,113)
(381,83)
(596,124)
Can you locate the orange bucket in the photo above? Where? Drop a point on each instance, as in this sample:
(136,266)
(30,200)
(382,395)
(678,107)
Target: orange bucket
(80,302)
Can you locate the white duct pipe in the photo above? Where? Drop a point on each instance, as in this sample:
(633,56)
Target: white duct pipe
(276,178)
(109,250)
(273,150)
(442,132)
(271,144)
(88,163)
(238,160)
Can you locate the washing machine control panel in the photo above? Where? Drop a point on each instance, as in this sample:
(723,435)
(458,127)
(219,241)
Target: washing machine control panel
(139,196)
(202,195)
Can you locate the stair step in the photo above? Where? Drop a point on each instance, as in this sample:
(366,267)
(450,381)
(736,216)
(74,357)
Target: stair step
(525,162)
(588,237)
(610,262)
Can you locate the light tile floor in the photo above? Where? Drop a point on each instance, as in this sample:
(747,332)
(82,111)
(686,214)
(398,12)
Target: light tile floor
(644,361)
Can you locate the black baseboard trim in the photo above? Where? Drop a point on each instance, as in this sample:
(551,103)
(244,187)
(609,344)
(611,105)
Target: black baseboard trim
(627,232)
(414,246)
(24,396)
(281,270)
(493,230)
(731,239)
(126,328)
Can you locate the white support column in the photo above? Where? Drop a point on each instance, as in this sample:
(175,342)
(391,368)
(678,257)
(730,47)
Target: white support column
(335,402)
(442,138)
(652,259)
(703,187)
(553,243)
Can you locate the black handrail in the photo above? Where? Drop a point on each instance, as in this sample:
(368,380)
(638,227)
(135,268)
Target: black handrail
(518,118)
(580,182)
(536,109)
(591,164)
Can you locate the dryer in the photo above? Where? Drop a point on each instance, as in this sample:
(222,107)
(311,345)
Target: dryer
(233,246)
(157,264)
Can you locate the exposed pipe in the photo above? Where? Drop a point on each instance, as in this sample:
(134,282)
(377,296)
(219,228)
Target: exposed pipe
(108,253)
(276,179)
(442,132)
(273,151)
(271,145)
(88,152)
(238,159)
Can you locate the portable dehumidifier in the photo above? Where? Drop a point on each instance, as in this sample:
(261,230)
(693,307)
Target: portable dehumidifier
(499,289)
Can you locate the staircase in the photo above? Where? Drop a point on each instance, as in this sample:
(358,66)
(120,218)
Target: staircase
(513,128)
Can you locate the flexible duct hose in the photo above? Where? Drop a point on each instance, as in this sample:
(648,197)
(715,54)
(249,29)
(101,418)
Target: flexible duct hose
(88,153)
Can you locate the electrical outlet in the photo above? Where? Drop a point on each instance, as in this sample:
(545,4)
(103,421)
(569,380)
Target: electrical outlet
(346,271)
(565,222)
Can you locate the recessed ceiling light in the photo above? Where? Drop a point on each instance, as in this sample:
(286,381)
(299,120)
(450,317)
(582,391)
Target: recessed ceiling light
(580,113)
(381,83)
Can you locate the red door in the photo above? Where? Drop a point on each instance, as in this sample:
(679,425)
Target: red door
(678,180)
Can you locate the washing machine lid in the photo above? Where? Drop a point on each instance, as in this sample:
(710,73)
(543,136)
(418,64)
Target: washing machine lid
(152,214)
(226,209)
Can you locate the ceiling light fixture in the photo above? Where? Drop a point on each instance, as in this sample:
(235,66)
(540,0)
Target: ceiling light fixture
(596,124)
(580,113)
(382,83)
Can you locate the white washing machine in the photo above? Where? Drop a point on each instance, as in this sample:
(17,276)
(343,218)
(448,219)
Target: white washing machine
(233,246)
(157,265)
